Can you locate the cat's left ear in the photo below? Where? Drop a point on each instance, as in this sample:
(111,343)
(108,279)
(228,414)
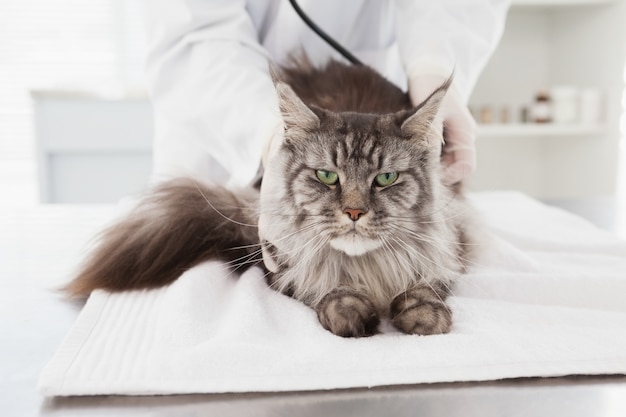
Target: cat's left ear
(296,114)
(418,124)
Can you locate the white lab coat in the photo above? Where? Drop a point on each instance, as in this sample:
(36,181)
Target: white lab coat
(214,102)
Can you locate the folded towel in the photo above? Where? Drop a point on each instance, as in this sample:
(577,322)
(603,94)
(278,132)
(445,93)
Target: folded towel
(547,298)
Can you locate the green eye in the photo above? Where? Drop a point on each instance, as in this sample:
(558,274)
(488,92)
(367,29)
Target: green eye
(388,178)
(327,177)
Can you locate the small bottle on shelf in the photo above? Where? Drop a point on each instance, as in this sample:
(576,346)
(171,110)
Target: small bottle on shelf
(591,106)
(565,103)
(505,115)
(486,115)
(524,114)
(540,111)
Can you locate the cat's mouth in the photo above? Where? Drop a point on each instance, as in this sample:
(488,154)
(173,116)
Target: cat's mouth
(355,244)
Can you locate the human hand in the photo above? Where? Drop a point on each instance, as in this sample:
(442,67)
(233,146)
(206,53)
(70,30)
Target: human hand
(459,151)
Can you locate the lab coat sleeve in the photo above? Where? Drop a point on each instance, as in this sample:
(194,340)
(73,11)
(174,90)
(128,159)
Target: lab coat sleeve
(214,101)
(437,37)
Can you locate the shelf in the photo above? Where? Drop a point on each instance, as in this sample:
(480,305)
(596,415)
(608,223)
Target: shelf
(551,3)
(539,130)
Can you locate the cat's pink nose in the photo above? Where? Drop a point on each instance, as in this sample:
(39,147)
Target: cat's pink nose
(354,214)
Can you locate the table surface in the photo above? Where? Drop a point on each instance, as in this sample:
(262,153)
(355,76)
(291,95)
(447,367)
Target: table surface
(39,248)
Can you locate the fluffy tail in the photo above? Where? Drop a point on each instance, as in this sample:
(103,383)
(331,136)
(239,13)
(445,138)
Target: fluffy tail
(178,225)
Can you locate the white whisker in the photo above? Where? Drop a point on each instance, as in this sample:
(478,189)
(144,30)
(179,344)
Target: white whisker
(219,212)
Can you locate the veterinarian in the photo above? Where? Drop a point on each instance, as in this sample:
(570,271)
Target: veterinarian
(214,101)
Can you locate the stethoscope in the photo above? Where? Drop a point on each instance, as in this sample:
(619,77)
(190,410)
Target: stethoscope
(333,43)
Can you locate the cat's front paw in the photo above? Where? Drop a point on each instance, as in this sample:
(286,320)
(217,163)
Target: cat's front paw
(347,313)
(420,311)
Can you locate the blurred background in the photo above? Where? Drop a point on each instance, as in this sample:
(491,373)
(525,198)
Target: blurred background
(76,122)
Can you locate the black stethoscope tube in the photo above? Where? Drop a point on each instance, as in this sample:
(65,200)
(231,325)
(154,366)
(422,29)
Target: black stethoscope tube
(333,43)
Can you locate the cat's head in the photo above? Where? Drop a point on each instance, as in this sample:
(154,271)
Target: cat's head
(353,179)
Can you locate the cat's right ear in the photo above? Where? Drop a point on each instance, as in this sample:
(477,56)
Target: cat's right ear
(296,115)
(420,123)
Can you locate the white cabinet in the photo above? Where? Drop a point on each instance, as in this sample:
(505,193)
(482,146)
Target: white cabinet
(92,149)
(546,44)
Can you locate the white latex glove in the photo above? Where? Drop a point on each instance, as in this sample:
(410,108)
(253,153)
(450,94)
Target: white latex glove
(459,151)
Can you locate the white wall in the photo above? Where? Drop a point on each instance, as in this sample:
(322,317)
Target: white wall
(583,46)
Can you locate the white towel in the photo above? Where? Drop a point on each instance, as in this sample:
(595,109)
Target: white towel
(547,299)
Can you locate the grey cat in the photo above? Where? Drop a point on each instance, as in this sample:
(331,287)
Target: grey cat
(351,216)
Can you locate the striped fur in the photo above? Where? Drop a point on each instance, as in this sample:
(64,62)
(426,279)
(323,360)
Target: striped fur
(411,241)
